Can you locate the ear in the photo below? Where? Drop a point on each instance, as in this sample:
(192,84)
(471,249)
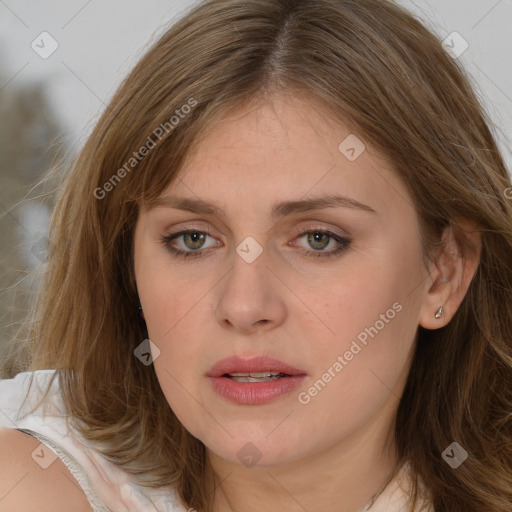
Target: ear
(451,273)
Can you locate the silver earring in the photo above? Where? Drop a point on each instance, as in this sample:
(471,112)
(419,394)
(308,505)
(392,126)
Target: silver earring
(440,312)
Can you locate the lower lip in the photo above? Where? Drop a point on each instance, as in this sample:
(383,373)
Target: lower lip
(254,393)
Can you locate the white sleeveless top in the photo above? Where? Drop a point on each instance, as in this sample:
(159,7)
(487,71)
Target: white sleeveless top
(107,487)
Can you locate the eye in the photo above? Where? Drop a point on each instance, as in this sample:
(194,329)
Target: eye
(192,238)
(319,239)
(193,241)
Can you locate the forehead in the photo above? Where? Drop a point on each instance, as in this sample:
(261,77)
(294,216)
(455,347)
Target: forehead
(287,128)
(284,149)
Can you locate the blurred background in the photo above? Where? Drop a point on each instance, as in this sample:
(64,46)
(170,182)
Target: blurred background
(61,61)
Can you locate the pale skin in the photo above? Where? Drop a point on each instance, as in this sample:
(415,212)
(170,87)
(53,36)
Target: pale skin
(27,486)
(336,451)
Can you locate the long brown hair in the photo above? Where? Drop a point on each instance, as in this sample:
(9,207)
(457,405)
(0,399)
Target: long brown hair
(373,66)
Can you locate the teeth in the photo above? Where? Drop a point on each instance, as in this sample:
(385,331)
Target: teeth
(255,377)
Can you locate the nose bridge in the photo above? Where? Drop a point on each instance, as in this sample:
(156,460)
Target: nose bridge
(249,266)
(249,294)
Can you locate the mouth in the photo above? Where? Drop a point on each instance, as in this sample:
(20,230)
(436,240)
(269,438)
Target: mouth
(255,380)
(253,369)
(255,377)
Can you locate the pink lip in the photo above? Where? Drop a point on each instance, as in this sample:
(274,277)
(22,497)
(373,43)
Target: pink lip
(253,364)
(254,393)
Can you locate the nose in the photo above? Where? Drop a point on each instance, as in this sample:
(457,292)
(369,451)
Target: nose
(251,298)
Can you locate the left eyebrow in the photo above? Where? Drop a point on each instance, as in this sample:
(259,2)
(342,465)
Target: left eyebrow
(280,209)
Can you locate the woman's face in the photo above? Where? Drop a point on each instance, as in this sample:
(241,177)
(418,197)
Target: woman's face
(341,308)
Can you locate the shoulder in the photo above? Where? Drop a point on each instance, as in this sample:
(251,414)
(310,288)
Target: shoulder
(32,478)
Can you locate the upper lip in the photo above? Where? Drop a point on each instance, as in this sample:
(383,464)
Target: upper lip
(252,365)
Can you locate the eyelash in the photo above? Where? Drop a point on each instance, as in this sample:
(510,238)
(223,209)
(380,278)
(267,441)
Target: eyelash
(178,253)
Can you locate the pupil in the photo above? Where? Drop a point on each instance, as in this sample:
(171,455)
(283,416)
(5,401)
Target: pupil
(197,239)
(316,238)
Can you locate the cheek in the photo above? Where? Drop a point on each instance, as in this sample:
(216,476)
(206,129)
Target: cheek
(175,309)
(352,379)
(373,314)
(167,292)
(365,298)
